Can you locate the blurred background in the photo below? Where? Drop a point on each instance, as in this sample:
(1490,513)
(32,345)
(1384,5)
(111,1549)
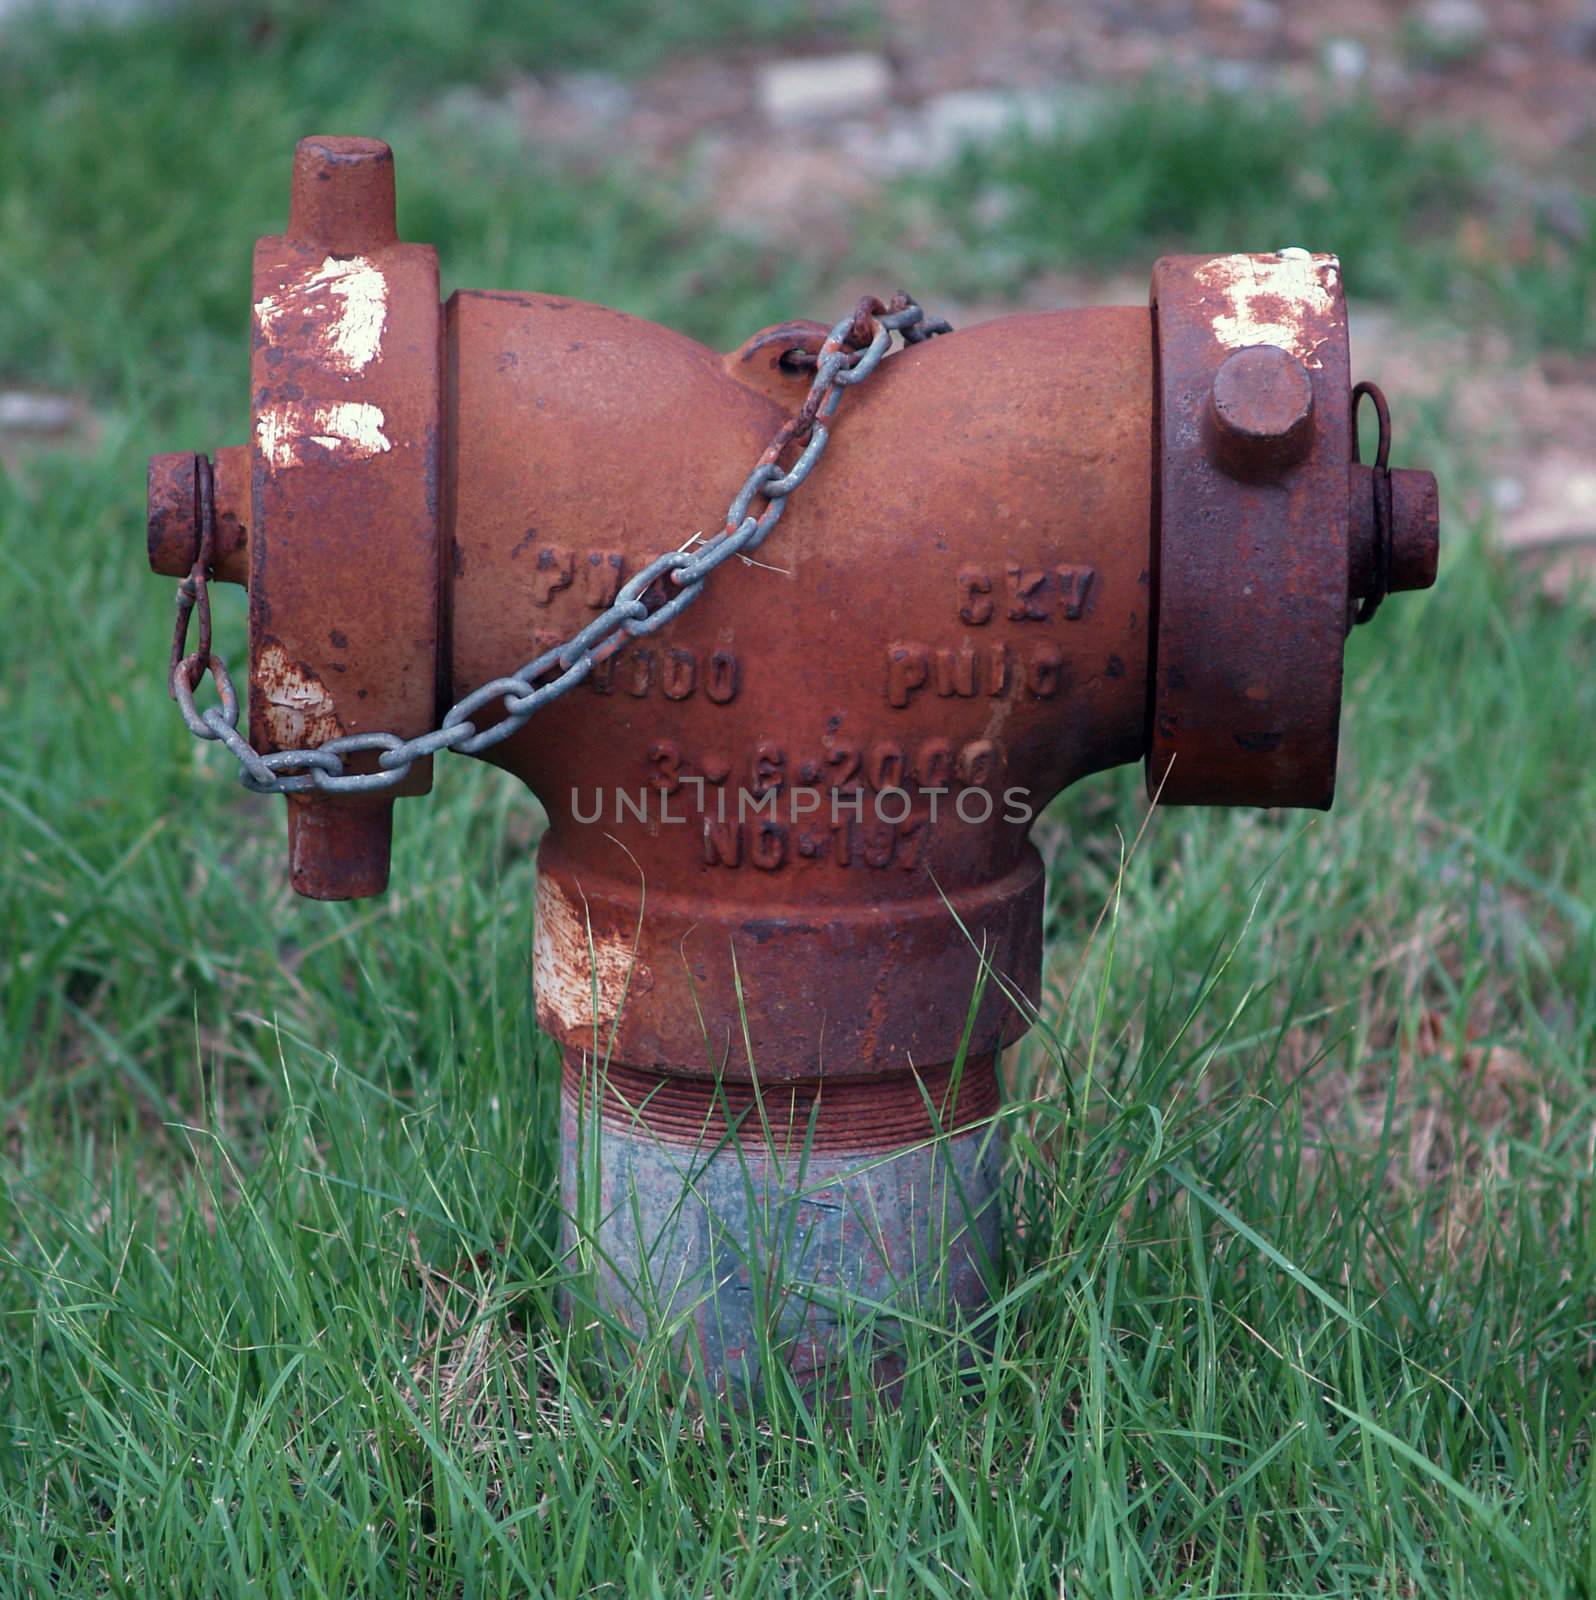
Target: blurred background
(709,160)
(1375,1031)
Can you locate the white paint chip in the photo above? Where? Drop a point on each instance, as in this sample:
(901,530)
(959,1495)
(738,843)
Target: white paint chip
(807,88)
(299,706)
(568,975)
(351,427)
(1272,299)
(346,303)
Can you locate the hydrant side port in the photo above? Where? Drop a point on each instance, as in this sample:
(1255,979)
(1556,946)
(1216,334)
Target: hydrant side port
(1253,529)
(961,604)
(789,832)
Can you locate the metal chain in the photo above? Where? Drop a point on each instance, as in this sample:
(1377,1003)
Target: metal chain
(851,352)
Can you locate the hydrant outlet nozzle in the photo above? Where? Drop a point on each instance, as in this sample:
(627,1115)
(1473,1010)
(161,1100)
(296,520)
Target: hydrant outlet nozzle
(173,528)
(1415,530)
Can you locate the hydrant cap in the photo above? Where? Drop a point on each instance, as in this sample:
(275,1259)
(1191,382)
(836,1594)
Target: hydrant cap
(1251,549)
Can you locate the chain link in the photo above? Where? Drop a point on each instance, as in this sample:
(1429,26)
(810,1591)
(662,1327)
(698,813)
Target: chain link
(851,352)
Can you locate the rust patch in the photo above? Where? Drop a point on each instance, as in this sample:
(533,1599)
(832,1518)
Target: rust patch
(1253,568)
(299,707)
(836,1113)
(573,965)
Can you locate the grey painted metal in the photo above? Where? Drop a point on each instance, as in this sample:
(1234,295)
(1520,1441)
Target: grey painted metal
(730,1246)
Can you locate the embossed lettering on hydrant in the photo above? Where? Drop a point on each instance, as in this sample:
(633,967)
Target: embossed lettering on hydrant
(1039,670)
(677,673)
(554,567)
(1036,594)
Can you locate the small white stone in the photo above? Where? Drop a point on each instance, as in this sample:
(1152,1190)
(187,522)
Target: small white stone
(21,412)
(970,116)
(1453,24)
(926,136)
(812,87)
(594,96)
(1507,494)
(1234,77)
(1346,60)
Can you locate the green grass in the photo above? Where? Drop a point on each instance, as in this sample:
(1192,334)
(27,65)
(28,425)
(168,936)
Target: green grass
(1300,1296)
(153,154)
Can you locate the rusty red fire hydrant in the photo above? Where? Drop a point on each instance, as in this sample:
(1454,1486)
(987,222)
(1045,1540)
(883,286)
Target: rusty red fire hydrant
(786,897)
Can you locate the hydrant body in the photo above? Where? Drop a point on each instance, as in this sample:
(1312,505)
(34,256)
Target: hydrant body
(788,914)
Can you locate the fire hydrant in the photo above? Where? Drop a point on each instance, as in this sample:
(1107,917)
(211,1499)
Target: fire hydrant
(788,914)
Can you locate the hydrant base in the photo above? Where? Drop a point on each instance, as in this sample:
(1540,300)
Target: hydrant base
(798,1225)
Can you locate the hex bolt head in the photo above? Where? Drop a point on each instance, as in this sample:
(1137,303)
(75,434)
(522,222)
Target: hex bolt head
(1260,411)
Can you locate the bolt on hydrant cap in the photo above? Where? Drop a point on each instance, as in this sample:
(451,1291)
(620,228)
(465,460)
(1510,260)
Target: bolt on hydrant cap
(1261,410)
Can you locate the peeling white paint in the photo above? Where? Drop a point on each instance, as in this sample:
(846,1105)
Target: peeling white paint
(567,976)
(299,708)
(352,423)
(346,304)
(277,433)
(1272,300)
(997,718)
(353,427)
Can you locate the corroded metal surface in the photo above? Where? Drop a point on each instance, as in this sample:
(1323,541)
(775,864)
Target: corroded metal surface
(173,536)
(343,528)
(788,830)
(1415,532)
(1252,548)
(960,605)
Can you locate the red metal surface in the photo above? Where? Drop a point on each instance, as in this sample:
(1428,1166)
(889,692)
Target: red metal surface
(173,522)
(773,361)
(962,594)
(343,526)
(1252,550)
(834,1114)
(1039,548)
(1415,532)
